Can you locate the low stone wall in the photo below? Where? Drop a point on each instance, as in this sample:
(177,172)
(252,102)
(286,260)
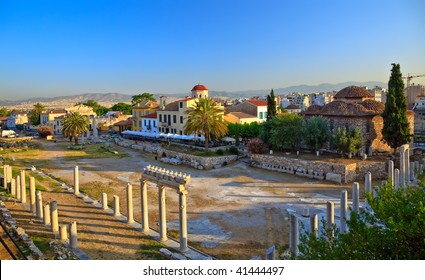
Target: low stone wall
(336,172)
(178,158)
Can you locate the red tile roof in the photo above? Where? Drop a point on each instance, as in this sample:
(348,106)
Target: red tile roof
(150,116)
(258,102)
(199,87)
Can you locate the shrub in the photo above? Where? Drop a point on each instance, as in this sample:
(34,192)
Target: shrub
(220,152)
(233,150)
(257,146)
(45,131)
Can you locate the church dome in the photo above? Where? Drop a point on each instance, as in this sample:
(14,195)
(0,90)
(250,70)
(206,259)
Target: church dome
(353,92)
(199,87)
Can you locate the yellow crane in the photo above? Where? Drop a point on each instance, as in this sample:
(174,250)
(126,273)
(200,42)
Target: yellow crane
(411,76)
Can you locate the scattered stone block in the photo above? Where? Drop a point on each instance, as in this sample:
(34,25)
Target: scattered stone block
(333,177)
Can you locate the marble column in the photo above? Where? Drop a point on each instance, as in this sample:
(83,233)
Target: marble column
(46,215)
(144,204)
(330,216)
(39,204)
(368,182)
(13,187)
(73,240)
(9,174)
(130,218)
(117,206)
(32,196)
(294,234)
(343,211)
(407,159)
(402,165)
(355,196)
(23,187)
(314,225)
(18,188)
(162,213)
(54,216)
(391,172)
(396,178)
(5,167)
(76,181)
(183,219)
(104,201)
(63,232)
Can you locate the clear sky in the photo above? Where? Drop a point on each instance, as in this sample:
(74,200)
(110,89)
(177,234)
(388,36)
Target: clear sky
(60,47)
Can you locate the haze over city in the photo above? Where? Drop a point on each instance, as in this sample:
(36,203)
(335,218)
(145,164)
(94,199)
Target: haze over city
(52,48)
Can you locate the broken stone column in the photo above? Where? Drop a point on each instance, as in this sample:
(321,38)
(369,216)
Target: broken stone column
(183,219)
(314,225)
(355,196)
(396,178)
(407,159)
(63,232)
(368,182)
(32,196)
(104,201)
(117,206)
(271,253)
(412,173)
(23,187)
(294,234)
(130,218)
(5,167)
(73,240)
(391,172)
(330,216)
(18,188)
(9,175)
(76,181)
(144,202)
(343,211)
(13,187)
(162,213)
(54,216)
(402,165)
(39,204)
(46,215)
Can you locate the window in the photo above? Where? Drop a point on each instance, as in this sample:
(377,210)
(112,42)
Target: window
(140,114)
(154,123)
(174,119)
(181,119)
(134,122)
(145,122)
(147,112)
(169,119)
(165,118)
(160,118)
(260,115)
(181,104)
(181,132)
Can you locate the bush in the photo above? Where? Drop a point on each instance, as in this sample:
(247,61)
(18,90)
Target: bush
(233,150)
(220,152)
(45,131)
(257,146)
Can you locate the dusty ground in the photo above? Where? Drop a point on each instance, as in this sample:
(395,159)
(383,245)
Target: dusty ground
(235,212)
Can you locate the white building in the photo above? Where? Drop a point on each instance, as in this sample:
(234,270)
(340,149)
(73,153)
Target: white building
(149,123)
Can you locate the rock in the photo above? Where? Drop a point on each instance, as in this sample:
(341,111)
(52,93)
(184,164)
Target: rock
(165,252)
(333,177)
(176,256)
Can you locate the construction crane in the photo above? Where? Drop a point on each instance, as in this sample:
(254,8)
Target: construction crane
(411,76)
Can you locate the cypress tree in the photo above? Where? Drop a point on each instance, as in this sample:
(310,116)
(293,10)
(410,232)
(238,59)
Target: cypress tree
(396,130)
(271,105)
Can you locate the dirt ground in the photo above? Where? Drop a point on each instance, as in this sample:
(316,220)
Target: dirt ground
(235,212)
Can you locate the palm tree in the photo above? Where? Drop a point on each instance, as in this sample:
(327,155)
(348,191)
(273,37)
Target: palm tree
(205,118)
(73,125)
(37,110)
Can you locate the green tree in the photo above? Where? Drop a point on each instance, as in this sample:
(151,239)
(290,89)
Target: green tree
(4,112)
(394,229)
(235,130)
(205,118)
(316,132)
(142,97)
(35,113)
(97,108)
(124,108)
(265,131)
(347,141)
(396,130)
(73,125)
(286,132)
(271,105)
(251,130)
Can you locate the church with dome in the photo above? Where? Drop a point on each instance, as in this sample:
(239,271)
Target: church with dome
(354,107)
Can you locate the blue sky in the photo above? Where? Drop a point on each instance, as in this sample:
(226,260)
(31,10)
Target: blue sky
(52,48)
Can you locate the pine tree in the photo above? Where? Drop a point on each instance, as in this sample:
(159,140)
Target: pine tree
(396,130)
(271,105)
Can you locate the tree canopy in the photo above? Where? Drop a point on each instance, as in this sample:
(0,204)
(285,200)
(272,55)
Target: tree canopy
(347,141)
(124,108)
(97,108)
(286,132)
(315,132)
(4,112)
(73,125)
(141,97)
(35,113)
(271,105)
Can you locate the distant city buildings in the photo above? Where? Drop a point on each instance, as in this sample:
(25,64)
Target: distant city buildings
(412,92)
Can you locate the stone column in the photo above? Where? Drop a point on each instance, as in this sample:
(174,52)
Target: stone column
(76,181)
(330,216)
(294,234)
(407,159)
(402,165)
(39,204)
(412,172)
(271,253)
(183,219)
(63,232)
(32,196)
(23,187)
(144,204)
(130,218)
(18,188)
(54,214)
(117,206)
(13,187)
(104,201)
(314,225)
(368,182)
(356,196)
(46,214)
(391,172)
(73,241)
(343,212)
(162,213)
(5,167)
(9,174)
(396,178)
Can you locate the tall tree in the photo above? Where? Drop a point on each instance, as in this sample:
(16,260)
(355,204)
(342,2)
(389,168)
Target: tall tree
(271,105)
(286,132)
(123,108)
(35,113)
(396,130)
(141,97)
(205,118)
(315,132)
(97,108)
(73,125)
